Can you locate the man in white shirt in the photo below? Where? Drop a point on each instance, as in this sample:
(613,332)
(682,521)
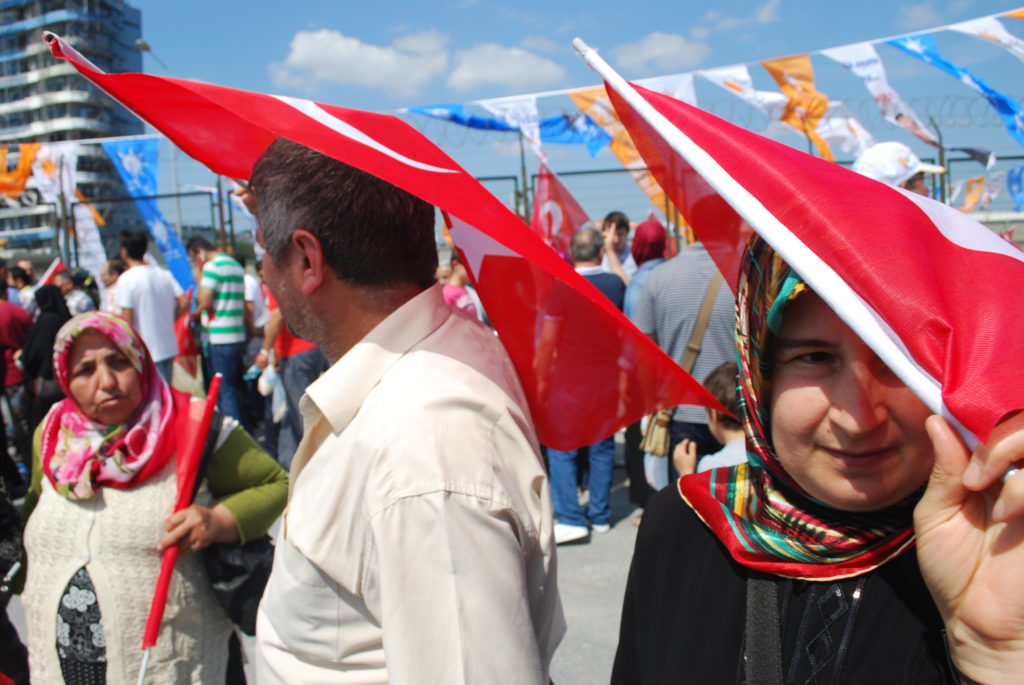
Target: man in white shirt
(417,545)
(150,299)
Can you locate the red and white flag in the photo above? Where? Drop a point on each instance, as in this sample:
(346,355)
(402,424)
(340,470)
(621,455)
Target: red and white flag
(556,214)
(536,301)
(56,266)
(932,292)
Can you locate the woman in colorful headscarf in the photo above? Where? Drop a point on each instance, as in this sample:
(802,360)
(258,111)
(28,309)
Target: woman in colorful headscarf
(830,557)
(98,517)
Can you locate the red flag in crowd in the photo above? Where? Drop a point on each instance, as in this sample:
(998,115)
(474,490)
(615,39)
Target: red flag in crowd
(556,214)
(537,302)
(56,266)
(932,292)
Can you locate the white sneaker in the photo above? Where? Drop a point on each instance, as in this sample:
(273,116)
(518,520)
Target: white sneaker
(566,533)
(600,527)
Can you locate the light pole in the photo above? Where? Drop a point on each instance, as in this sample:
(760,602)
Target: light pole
(143,46)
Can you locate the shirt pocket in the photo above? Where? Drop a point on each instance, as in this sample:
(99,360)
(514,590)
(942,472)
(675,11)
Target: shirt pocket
(303,605)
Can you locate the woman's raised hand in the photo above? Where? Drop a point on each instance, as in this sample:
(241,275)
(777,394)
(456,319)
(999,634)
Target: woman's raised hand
(970,545)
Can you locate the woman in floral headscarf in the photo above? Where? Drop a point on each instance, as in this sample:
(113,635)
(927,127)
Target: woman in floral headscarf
(103,485)
(829,557)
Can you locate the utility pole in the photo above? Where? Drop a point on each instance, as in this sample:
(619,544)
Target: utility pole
(143,46)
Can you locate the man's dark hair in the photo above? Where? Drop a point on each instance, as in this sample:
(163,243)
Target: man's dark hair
(586,245)
(18,274)
(135,243)
(115,265)
(62,276)
(618,219)
(372,233)
(3,264)
(721,383)
(198,242)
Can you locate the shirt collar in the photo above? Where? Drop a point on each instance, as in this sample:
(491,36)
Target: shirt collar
(340,391)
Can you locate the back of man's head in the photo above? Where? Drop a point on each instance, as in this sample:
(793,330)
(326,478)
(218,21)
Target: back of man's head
(372,234)
(197,243)
(134,244)
(18,276)
(721,383)
(586,245)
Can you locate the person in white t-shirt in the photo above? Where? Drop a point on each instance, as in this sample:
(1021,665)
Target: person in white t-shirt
(150,299)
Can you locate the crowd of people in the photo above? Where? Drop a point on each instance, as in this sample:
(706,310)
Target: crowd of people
(824,528)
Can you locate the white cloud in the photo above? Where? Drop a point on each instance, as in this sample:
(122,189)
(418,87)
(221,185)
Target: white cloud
(714,21)
(512,67)
(767,13)
(329,56)
(919,16)
(660,52)
(541,44)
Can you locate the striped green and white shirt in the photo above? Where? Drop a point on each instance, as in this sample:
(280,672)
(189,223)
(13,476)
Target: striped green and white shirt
(224,276)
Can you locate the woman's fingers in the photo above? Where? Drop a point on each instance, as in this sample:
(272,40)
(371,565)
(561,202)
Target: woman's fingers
(945,485)
(189,527)
(1004,448)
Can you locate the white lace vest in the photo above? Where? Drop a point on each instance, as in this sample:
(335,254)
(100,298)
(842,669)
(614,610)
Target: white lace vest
(114,536)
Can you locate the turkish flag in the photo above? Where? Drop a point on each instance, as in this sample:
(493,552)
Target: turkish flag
(556,214)
(539,305)
(935,294)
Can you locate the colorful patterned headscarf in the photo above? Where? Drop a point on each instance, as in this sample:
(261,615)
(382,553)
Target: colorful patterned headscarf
(767,521)
(80,455)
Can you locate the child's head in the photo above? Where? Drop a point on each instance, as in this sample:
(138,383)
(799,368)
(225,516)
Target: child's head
(721,383)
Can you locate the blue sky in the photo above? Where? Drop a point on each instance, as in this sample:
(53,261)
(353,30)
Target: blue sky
(392,54)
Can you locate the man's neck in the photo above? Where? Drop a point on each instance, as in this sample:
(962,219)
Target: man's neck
(134,262)
(365,309)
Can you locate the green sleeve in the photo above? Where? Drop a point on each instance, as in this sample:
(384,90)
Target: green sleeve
(35,484)
(247,481)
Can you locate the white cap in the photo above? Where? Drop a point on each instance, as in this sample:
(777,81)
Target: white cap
(892,163)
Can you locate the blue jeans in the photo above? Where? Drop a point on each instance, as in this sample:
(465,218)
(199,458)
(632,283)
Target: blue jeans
(227,361)
(297,372)
(562,472)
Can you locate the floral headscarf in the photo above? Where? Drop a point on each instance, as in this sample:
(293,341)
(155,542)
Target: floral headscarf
(79,455)
(767,521)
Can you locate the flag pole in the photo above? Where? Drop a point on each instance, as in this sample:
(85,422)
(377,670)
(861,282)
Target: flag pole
(191,456)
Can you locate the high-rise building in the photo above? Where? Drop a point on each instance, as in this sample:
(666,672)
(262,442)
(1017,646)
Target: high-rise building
(43,99)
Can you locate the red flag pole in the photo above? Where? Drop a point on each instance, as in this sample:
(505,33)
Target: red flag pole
(191,453)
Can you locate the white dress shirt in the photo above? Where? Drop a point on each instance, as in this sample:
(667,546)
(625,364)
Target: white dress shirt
(417,545)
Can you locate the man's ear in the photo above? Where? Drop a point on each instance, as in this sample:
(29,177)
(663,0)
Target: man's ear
(312,265)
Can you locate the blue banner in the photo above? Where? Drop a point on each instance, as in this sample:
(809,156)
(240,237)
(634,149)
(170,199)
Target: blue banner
(568,129)
(456,114)
(578,129)
(1015,184)
(136,161)
(922,47)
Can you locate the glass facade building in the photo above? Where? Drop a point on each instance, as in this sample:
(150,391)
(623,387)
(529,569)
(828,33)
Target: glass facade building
(43,99)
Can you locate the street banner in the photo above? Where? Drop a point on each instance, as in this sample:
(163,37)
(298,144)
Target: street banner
(992,30)
(137,164)
(922,46)
(862,59)
(806,106)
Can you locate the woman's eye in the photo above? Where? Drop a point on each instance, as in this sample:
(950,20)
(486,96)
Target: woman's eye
(815,357)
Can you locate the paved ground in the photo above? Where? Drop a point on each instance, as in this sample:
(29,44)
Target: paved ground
(591,578)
